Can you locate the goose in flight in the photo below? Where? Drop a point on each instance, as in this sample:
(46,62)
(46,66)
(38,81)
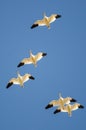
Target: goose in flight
(69,108)
(20,80)
(33,59)
(60,102)
(46,21)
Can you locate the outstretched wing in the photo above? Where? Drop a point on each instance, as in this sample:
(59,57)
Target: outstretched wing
(12,81)
(26,77)
(25,61)
(53,17)
(40,55)
(15,80)
(76,106)
(57,110)
(67,100)
(38,23)
(52,104)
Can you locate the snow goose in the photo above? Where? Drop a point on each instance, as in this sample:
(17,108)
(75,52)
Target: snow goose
(33,59)
(69,108)
(19,80)
(60,102)
(46,21)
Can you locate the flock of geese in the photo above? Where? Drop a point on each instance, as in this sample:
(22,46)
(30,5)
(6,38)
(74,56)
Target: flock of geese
(62,104)
(20,80)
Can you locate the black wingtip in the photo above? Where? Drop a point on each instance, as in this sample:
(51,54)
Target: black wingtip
(73,100)
(58,16)
(20,64)
(44,54)
(31,77)
(57,111)
(48,106)
(81,106)
(34,25)
(9,85)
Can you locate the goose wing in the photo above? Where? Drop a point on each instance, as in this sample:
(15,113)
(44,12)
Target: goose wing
(67,100)
(76,106)
(61,109)
(52,104)
(26,77)
(38,23)
(55,102)
(39,55)
(12,81)
(15,80)
(25,61)
(57,110)
(53,17)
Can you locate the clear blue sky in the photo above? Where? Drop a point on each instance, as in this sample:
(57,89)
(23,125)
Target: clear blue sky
(62,70)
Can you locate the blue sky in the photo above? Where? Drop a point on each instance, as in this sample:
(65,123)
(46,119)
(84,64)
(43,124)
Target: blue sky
(62,70)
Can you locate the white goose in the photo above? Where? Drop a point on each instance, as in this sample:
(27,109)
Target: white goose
(69,108)
(46,21)
(60,102)
(20,80)
(33,59)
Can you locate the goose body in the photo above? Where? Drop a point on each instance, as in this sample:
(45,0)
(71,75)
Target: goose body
(46,21)
(60,102)
(33,59)
(20,80)
(69,108)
